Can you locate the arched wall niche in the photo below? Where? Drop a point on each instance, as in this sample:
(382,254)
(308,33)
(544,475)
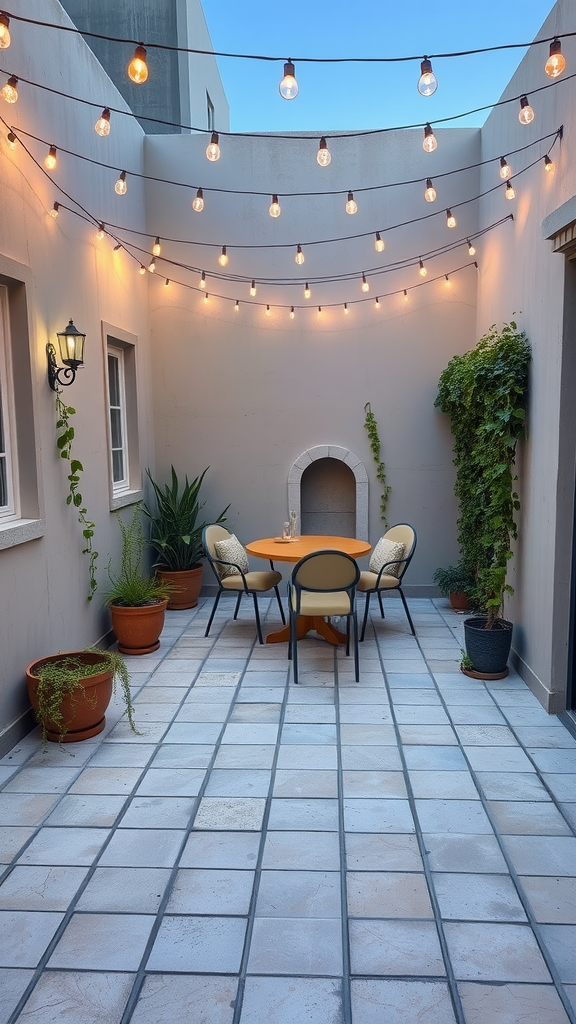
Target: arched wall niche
(330,451)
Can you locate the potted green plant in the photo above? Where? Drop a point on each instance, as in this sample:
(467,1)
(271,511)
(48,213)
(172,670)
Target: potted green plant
(137,600)
(457,584)
(176,536)
(484,393)
(70,692)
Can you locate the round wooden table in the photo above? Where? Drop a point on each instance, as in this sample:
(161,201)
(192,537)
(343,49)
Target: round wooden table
(277,550)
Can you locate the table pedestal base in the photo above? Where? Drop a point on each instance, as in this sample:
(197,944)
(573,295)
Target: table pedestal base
(304,624)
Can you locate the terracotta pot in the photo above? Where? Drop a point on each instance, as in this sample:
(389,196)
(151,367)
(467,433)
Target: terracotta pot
(84,710)
(186,583)
(459,602)
(138,629)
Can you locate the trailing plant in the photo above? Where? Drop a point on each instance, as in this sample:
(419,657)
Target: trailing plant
(456,579)
(174,531)
(466,662)
(60,679)
(131,586)
(64,439)
(371,426)
(483,392)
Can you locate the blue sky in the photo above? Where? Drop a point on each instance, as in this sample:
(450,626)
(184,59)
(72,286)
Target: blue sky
(358,96)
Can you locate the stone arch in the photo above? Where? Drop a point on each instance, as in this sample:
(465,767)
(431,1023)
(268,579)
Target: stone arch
(331,451)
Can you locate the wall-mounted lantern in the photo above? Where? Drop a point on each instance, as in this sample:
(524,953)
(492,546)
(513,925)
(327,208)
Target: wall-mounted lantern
(71,345)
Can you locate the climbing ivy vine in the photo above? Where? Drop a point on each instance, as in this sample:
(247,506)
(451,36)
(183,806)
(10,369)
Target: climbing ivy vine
(64,439)
(371,426)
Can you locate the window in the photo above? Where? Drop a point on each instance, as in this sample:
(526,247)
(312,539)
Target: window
(209,112)
(7,433)
(121,393)
(117,414)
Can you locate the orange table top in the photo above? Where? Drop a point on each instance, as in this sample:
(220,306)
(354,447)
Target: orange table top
(292,551)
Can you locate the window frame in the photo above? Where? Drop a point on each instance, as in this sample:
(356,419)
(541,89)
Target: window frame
(123,345)
(10,511)
(210,113)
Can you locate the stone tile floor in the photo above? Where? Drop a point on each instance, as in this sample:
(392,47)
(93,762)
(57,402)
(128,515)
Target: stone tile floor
(387,852)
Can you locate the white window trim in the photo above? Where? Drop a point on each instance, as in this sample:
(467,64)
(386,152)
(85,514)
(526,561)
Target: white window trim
(11,511)
(119,486)
(122,341)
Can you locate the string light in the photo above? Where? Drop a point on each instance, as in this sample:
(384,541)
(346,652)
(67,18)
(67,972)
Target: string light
(206,299)
(223,257)
(365,286)
(351,205)
(505,169)
(422,271)
(121,186)
(346,308)
(152,266)
(117,247)
(556,62)
(138,68)
(377,303)
(319,310)
(156,248)
(101,232)
(51,160)
(288,86)
(447,280)
(166,283)
(429,142)
(142,270)
(253,288)
(307,292)
(102,126)
(430,191)
(379,243)
(55,210)
(274,208)
(471,249)
(198,201)
(548,163)
(236,306)
(9,92)
(450,219)
(299,257)
(4,31)
(268,310)
(213,149)
(510,193)
(11,140)
(323,155)
(292,313)
(526,114)
(202,282)
(427,83)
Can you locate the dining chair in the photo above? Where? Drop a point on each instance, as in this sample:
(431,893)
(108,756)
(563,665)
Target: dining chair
(229,563)
(388,564)
(323,584)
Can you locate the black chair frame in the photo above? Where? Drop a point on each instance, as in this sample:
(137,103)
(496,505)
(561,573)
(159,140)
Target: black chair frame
(221,589)
(407,558)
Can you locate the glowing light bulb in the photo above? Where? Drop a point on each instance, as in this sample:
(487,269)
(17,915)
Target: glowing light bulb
(138,68)
(102,126)
(471,249)
(351,205)
(379,243)
(101,232)
(422,271)
(346,308)
(12,140)
(429,142)
(377,303)
(198,201)
(405,296)
(505,169)
(206,299)
(117,247)
(166,283)
(510,193)
(253,289)
(50,159)
(292,313)
(4,32)
(548,163)
(156,248)
(556,62)
(323,155)
(213,149)
(526,114)
(427,83)
(236,306)
(365,285)
(299,257)
(121,186)
(307,292)
(223,257)
(274,208)
(142,270)
(202,281)
(319,310)
(430,192)
(55,210)
(450,219)
(268,311)
(288,86)
(9,92)
(152,266)
(447,280)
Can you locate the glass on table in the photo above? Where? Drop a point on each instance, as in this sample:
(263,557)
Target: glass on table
(286,531)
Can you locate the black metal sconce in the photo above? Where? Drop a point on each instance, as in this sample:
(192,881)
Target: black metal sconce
(71,344)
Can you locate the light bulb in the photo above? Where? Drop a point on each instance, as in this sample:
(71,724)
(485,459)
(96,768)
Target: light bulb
(12,140)
(307,292)
(274,208)
(142,270)
(556,62)
(430,192)
(450,219)
(346,308)
(429,142)
(236,306)
(292,313)
(268,311)
(202,281)
(223,257)
(50,159)
(351,205)
(526,114)
(471,249)
(121,186)
(117,247)
(365,285)
(288,86)
(379,243)
(156,248)
(548,163)
(377,303)
(422,270)
(319,310)
(4,32)
(323,155)
(253,289)
(299,257)
(138,68)
(9,92)
(213,149)
(427,83)
(166,282)
(510,193)
(55,210)
(198,201)
(102,126)
(206,299)
(505,169)
(405,296)
(100,233)
(152,266)
(447,280)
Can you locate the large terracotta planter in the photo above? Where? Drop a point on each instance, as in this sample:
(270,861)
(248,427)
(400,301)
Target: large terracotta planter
(138,629)
(458,601)
(186,583)
(84,709)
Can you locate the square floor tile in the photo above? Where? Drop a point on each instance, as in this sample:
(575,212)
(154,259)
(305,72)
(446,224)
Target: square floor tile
(153,848)
(498,759)
(359,758)
(125,890)
(40,888)
(465,853)
(199,945)
(250,732)
(456,816)
(40,780)
(287,1000)
(294,782)
(542,855)
(471,897)
(378,1000)
(301,894)
(495,952)
(526,818)
(11,841)
(313,815)
(395,948)
(382,852)
(511,1004)
(85,997)
(197,998)
(76,846)
(478,735)
(560,941)
(387,894)
(434,759)
(86,810)
(512,786)
(239,782)
(13,984)
(211,891)
(106,781)
(443,785)
(180,755)
(302,851)
(25,809)
(296,946)
(158,812)
(255,713)
(25,936)
(103,942)
(435,735)
(234,813)
(245,756)
(552,899)
(367,815)
(367,735)
(374,784)
(221,850)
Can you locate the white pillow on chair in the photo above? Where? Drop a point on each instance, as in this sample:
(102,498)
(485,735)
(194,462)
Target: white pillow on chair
(387,551)
(231,550)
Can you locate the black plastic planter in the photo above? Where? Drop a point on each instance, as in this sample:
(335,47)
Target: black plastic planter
(488,649)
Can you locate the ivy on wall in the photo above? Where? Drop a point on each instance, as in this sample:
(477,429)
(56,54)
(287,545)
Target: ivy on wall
(371,426)
(64,439)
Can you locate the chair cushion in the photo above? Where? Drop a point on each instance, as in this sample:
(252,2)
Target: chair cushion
(259,581)
(231,550)
(369,581)
(387,551)
(328,603)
